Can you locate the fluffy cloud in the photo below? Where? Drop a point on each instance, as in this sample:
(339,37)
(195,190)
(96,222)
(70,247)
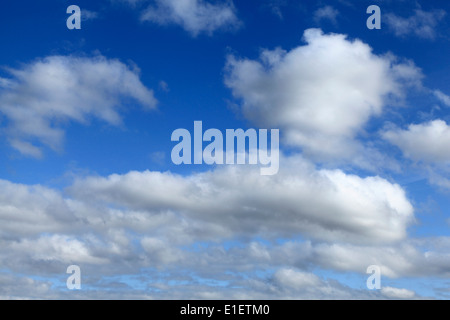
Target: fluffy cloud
(41,96)
(321,94)
(195,16)
(428,142)
(327,205)
(425,144)
(62,249)
(422,23)
(30,210)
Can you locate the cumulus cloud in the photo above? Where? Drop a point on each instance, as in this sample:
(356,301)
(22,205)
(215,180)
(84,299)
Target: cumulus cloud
(320,94)
(40,97)
(327,205)
(195,16)
(422,23)
(426,142)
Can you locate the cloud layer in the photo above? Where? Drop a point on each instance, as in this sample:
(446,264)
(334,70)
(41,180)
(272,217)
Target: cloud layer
(153,225)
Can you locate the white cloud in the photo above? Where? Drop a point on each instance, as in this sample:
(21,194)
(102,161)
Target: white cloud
(126,224)
(295,279)
(445,99)
(328,205)
(396,293)
(428,142)
(195,16)
(395,261)
(26,148)
(30,210)
(321,94)
(56,247)
(43,95)
(276,287)
(326,13)
(160,252)
(297,284)
(423,23)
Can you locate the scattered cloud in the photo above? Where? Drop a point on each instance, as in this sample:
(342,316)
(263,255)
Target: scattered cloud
(194,16)
(40,97)
(422,23)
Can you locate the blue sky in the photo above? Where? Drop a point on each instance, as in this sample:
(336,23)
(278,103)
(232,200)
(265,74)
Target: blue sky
(86,118)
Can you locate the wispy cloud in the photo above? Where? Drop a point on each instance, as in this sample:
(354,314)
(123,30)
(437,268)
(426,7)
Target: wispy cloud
(422,24)
(326,13)
(445,99)
(87,15)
